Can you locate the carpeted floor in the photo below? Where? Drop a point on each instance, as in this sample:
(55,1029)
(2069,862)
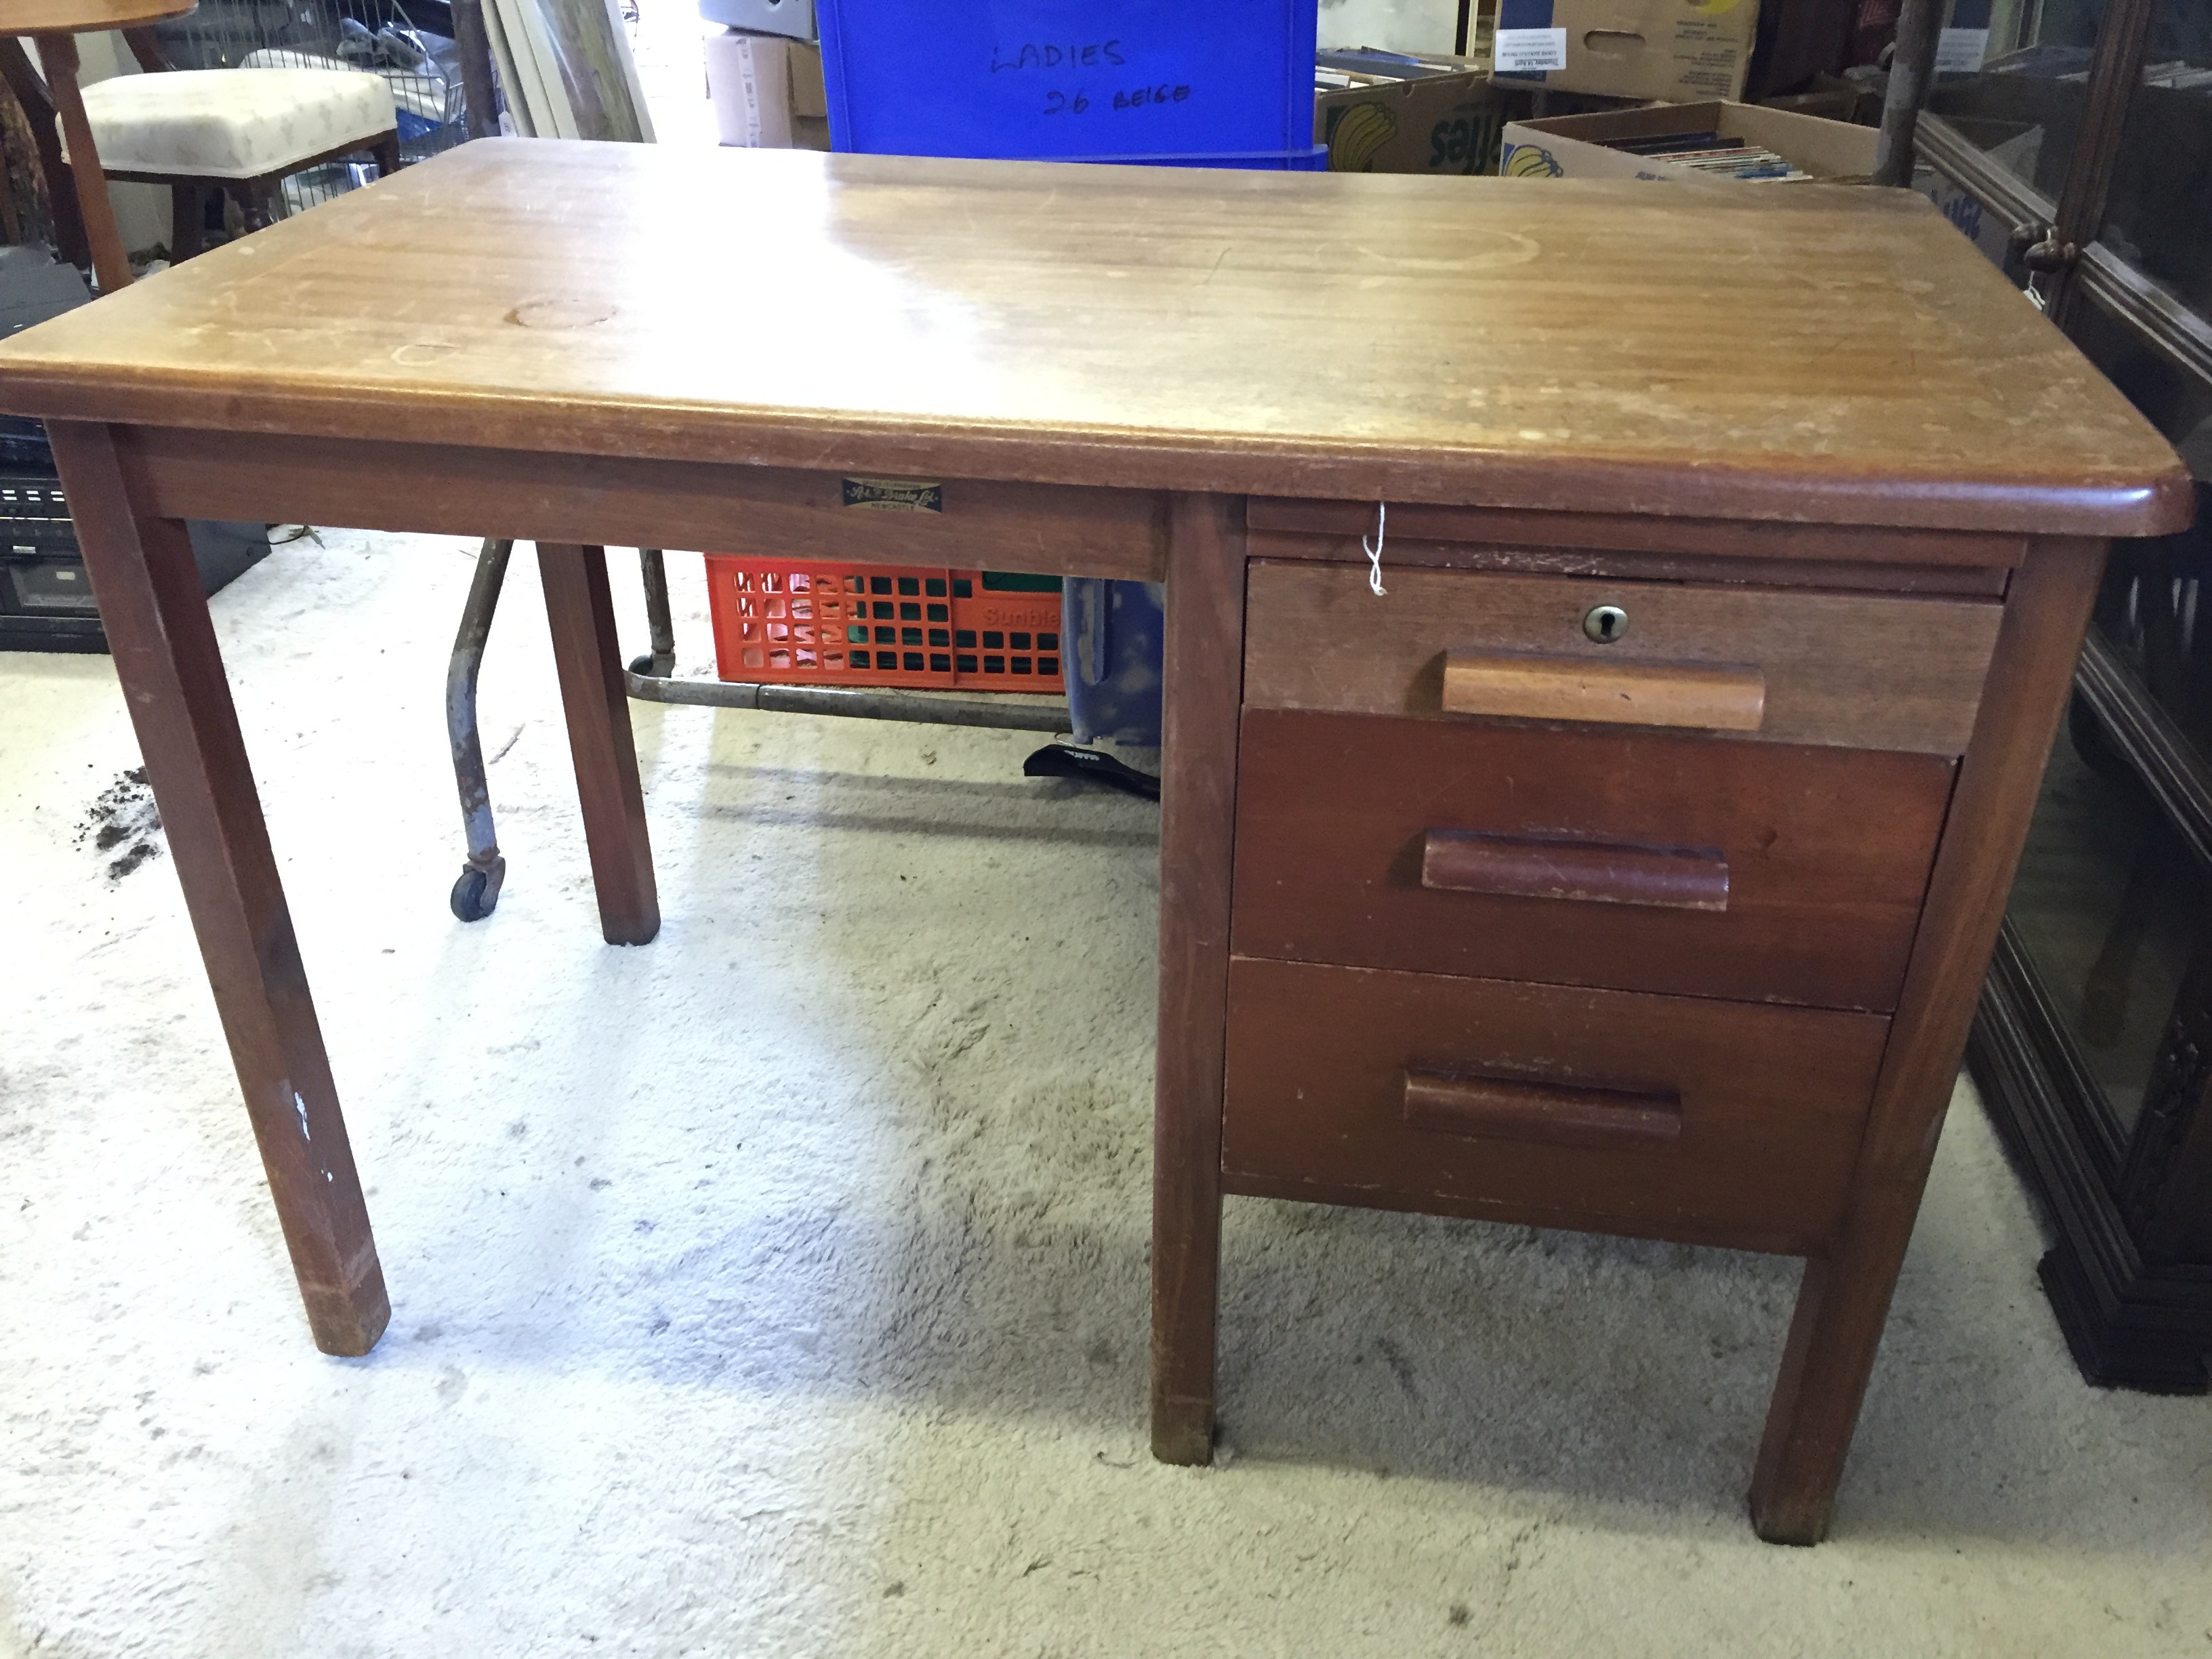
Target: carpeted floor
(779,1288)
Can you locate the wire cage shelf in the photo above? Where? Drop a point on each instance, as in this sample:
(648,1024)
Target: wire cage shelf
(409,43)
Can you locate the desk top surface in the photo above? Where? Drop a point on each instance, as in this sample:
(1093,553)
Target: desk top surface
(1784,352)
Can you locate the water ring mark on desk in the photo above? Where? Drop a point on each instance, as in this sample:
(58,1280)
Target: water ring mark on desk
(416,353)
(561,313)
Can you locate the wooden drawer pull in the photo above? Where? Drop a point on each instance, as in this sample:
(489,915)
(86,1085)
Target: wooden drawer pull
(1624,693)
(1517,867)
(1509,1109)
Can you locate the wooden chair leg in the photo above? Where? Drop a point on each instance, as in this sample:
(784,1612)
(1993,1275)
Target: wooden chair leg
(588,656)
(11,218)
(1204,660)
(109,264)
(171,668)
(33,97)
(187,222)
(256,199)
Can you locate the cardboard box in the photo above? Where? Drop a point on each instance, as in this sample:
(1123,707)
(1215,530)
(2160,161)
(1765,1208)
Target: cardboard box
(793,18)
(1574,146)
(1676,50)
(1833,99)
(1381,111)
(766,91)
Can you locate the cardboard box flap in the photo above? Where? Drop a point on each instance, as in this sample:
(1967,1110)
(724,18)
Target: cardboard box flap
(1377,65)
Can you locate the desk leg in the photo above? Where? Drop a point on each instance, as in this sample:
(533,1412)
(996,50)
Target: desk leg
(167,658)
(1844,1298)
(589,658)
(1205,671)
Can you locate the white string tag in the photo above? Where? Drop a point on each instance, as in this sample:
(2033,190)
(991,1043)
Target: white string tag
(1374,550)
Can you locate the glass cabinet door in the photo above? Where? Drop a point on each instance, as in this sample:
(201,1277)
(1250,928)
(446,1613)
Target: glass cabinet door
(2090,128)
(2158,205)
(2023,103)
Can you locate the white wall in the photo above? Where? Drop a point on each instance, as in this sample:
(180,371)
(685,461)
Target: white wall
(1394,25)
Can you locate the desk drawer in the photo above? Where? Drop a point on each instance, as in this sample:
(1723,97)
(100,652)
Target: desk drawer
(1666,1117)
(1851,670)
(1632,860)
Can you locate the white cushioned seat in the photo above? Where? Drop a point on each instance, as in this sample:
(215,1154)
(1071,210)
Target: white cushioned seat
(233,122)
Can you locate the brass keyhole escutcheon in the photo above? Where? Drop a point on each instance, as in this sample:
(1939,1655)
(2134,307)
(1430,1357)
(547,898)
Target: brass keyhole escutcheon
(1604,622)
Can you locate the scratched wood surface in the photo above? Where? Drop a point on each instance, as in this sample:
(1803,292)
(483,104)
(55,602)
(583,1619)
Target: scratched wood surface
(1821,355)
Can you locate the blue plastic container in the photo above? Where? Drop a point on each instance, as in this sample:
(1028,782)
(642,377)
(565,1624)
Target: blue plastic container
(1114,634)
(1113,641)
(1225,83)
(1054,80)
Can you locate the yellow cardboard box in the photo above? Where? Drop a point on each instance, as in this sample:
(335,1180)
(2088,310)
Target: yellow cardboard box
(1391,112)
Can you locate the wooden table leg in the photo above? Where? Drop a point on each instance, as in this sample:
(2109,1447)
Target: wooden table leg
(1844,1298)
(171,669)
(589,658)
(1205,675)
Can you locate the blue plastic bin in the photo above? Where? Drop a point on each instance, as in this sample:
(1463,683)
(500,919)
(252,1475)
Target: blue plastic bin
(1225,83)
(1112,643)
(1054,80)
(1114,634)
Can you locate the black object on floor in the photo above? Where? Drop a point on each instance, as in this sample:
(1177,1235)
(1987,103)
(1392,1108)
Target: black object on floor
(46,602)
(1064,760)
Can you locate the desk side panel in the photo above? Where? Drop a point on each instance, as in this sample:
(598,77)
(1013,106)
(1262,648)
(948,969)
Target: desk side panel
(1844,1299)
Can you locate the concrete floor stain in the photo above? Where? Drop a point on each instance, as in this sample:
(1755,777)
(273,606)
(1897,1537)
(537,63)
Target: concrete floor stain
(123,825)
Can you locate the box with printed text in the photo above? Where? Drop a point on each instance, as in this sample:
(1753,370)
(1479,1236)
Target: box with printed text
(1675,51)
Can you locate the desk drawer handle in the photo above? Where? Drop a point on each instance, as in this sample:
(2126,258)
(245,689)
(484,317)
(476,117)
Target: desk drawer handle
(1528,866)
(1552,1115)
(1702,696)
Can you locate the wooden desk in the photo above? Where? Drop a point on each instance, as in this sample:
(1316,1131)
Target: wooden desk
(1704,975)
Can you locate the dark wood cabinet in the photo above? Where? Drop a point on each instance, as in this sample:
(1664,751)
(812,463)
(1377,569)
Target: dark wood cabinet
(2093,1045)
(2086,139)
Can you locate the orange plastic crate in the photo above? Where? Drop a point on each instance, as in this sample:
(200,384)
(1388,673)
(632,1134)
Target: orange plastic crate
(919,628)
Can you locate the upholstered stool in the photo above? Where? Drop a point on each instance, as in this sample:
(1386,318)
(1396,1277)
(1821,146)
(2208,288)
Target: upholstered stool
(192,130)
(243,130)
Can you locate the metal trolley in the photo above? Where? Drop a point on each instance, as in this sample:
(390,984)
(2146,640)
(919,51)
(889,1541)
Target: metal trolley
(651,678)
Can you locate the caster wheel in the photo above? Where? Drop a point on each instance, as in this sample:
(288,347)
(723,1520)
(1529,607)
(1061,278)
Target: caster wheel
(641,665)
(475,895)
